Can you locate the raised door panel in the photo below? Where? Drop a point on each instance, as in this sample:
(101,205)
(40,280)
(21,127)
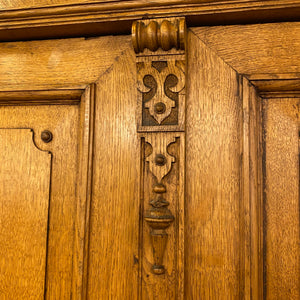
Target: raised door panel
(266,60)
(281,201)
(24,194)
(102,188)
(93,217)
(41,211)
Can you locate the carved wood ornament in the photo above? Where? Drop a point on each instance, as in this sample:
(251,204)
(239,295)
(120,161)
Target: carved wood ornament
(163,80)
(160,54)
(155,34)
(159,217)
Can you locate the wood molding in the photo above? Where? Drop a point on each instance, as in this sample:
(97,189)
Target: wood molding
(251,210)
(104,17)
(84,192)
(273,69)
(49,97)
(85,99)
(245,49)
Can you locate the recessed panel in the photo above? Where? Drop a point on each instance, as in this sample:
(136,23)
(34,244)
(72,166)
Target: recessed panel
(24,203)
(281,200)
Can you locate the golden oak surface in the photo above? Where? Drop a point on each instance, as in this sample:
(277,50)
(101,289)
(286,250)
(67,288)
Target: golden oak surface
(212,175)
(56,209)
(282,220)
(229,150)
(32,19)
(23,214)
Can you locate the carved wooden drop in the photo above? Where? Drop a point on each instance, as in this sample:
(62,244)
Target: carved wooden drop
(160,62)
(159,217)
(157,34)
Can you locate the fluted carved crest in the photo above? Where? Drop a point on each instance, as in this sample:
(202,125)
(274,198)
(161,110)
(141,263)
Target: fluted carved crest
(155,34)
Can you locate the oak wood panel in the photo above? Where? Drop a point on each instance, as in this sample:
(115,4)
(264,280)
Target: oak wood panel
(256,49)
(62,121)
(24,194)
(281,203)
(42,65)
(114,221)
(213,176)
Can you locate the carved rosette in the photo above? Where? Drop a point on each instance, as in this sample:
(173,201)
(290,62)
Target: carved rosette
(160,53)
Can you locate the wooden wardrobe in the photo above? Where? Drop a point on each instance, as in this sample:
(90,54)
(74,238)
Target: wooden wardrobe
(149,150)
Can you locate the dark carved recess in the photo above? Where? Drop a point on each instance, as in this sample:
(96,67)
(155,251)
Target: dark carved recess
(149,81)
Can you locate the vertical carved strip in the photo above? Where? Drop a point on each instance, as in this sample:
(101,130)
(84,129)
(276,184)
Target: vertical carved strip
(159,217)
(160,53)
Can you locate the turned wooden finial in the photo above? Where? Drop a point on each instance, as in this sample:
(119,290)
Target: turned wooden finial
(164,34)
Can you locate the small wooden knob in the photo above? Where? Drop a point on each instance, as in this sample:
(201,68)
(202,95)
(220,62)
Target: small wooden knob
(46,136)
(160,160)
(159,108)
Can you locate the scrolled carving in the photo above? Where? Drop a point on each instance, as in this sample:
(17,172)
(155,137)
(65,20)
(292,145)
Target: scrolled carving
(159,145)
(164,34)
(163,82)
(159,217)
(160,64)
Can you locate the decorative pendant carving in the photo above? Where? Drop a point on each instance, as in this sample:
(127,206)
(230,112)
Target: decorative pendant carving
(163,79)
(160,54)
(159,217)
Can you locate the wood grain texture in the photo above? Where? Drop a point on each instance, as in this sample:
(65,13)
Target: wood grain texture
(83,193)
(21,4)
(43,65)
(158,33)
(114,222)
(251,259)
(281,203)
(169,285)
(213,176)
(280,94)
(40,97)
(166,87)
(25,19)
(256,49)
(62,121)
(24,194)
(161,123)
(267,86)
